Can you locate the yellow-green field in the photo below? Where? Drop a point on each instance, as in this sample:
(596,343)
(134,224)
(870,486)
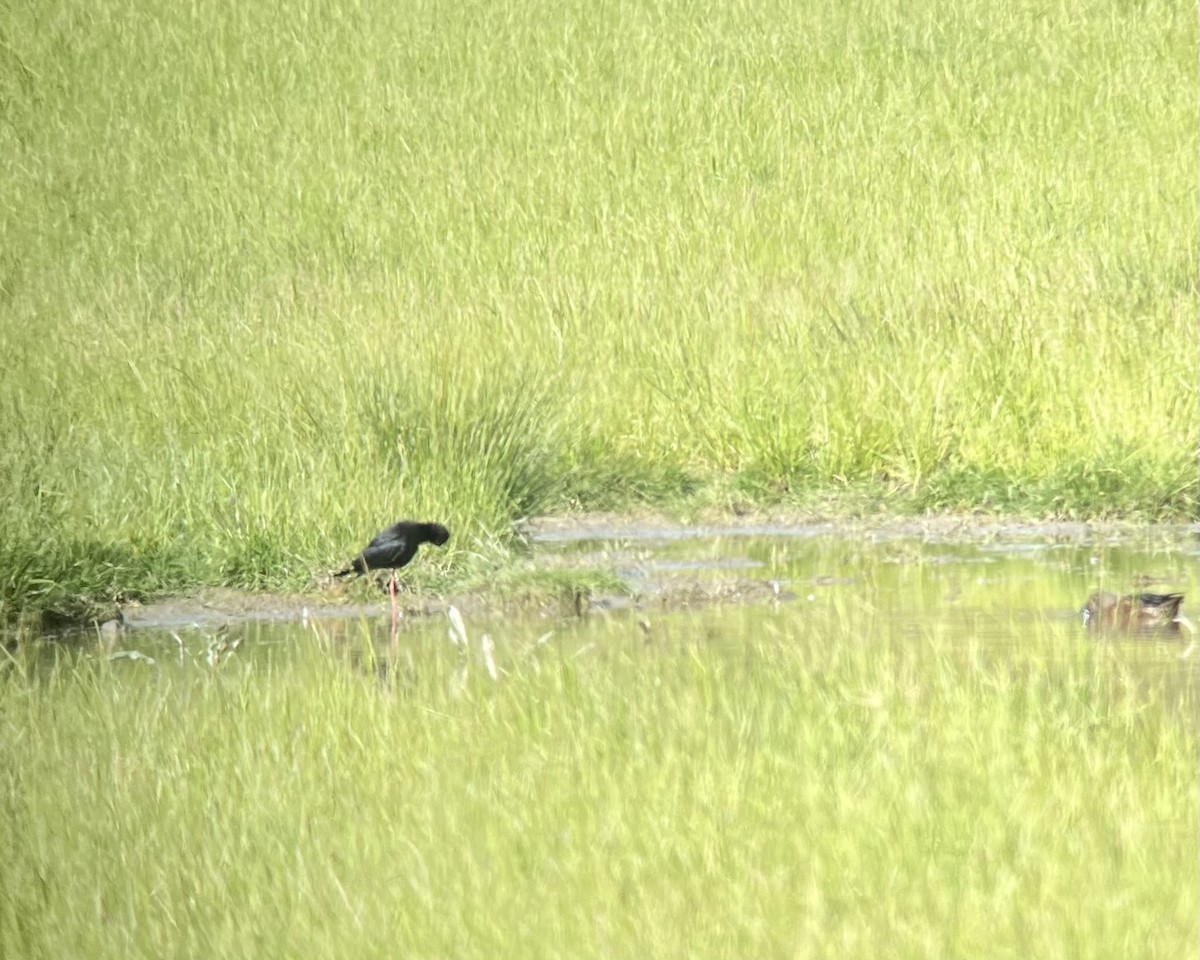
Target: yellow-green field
(273,275)
(758,784)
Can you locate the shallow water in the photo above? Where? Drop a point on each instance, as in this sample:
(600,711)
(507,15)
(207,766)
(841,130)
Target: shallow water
(1013,592)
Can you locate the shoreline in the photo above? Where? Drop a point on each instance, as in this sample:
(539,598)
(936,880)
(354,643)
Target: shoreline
(573,587)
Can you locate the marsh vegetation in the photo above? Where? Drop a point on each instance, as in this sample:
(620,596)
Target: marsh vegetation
(274,275)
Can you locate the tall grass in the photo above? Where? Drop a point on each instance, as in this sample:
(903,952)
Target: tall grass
(271,275)
(799,784)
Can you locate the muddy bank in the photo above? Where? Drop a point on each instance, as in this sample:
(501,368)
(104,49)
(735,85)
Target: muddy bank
(215,608)
(942,529)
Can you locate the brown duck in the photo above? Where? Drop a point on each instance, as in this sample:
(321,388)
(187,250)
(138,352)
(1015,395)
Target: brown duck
(1136,612)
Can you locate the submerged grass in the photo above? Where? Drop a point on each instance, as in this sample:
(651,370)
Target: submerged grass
(274,275)
(831,784)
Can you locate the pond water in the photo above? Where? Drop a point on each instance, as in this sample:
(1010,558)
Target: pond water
(1014,590)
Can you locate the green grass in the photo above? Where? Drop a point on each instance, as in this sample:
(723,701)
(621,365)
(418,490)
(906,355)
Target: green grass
(272,275)
(801,783)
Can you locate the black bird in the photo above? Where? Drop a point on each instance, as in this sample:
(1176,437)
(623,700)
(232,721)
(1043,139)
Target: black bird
(393,548)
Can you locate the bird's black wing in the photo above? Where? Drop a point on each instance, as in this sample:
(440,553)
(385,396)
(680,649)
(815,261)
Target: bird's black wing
(393,538)
(1159,599)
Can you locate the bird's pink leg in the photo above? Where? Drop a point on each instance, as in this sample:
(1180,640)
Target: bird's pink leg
(392,594)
